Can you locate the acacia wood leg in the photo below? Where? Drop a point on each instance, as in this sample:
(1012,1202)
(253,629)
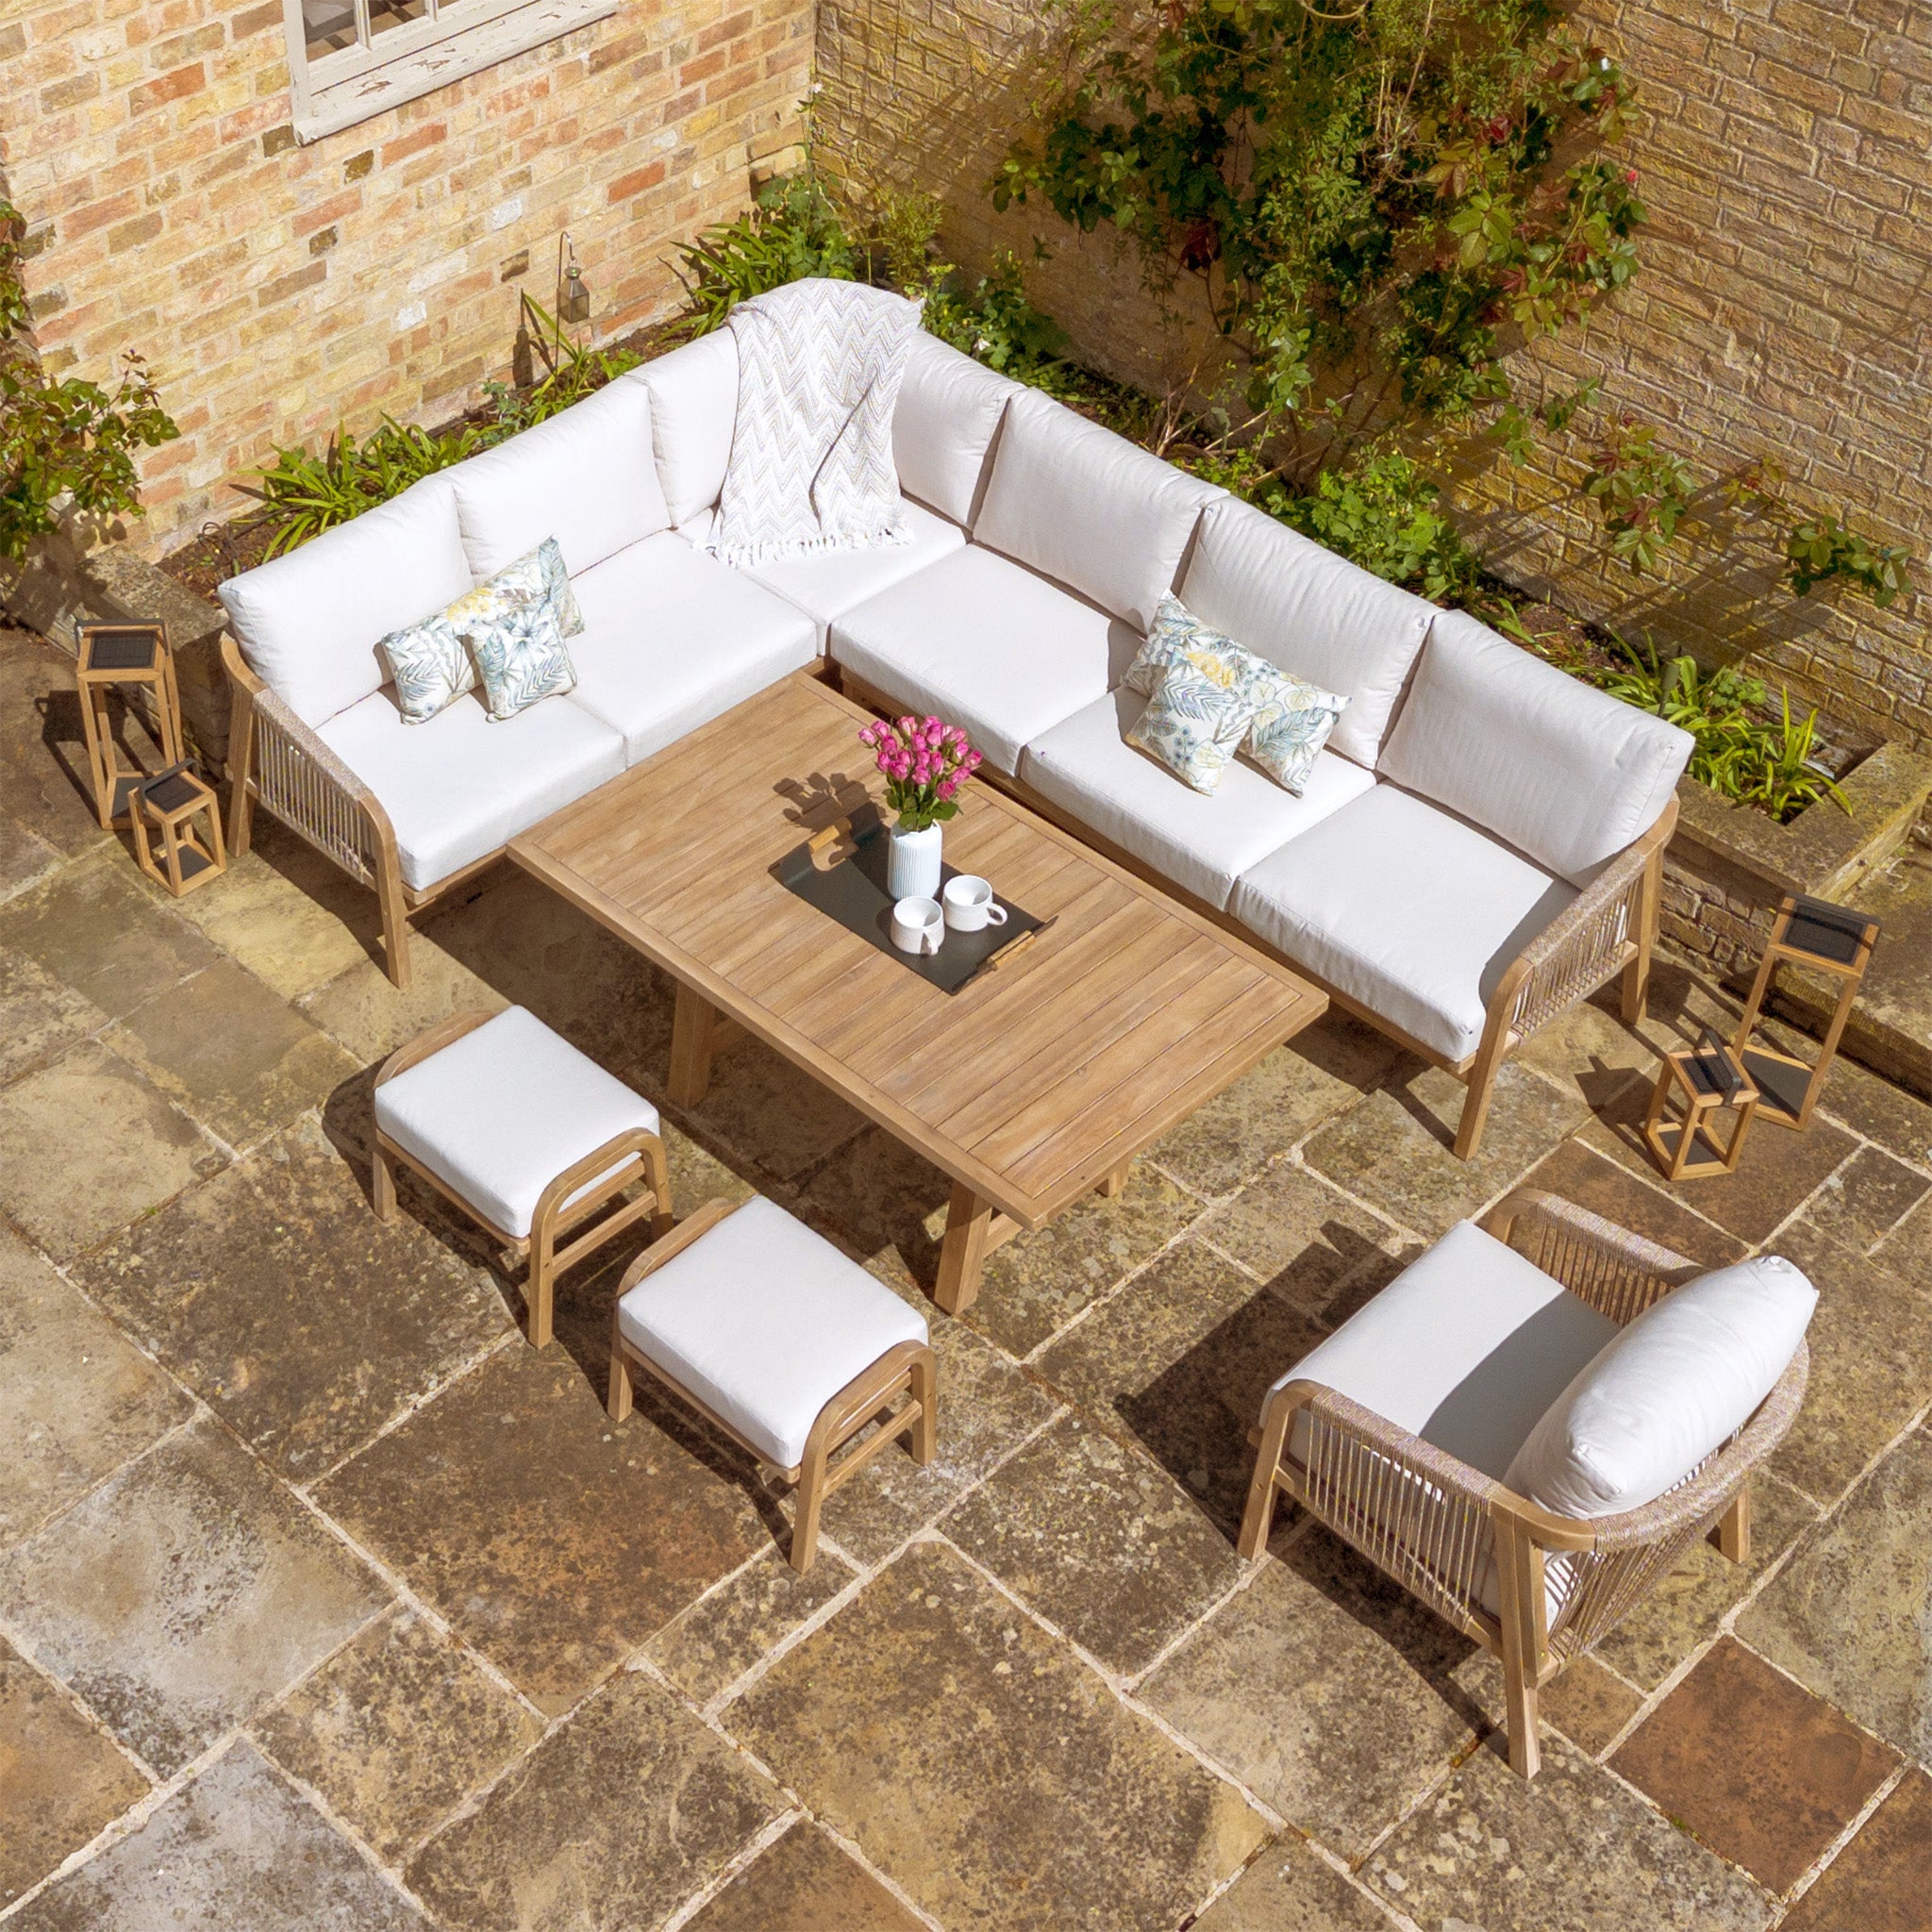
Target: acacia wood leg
(1637,974)
(382,1187)
(810,1498)
(1475,1108)
(617,1392)
(541,1284)
(1734,1529)
(694,1031)
(1258,1519)
(658,1173)
(924,1378)
(395,928)
(1115,1184)
(963,1251)
(1521,1575)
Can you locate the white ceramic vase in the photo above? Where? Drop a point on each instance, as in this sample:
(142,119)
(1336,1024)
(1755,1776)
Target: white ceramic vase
(912,864)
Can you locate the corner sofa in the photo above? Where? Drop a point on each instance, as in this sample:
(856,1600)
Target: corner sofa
(1477,847)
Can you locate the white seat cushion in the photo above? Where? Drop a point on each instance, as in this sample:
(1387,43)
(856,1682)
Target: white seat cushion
(764,1322)
(944,423)
(986,645)
(673,638)
(1202,842)
(825,584)
(498,1114)
(1319,617)
(459,785)
(1466,1348)
(1568,775)
(309,622)
(1666,1392)
(1089,509)
(693,393)
(1404,908)
(586,477)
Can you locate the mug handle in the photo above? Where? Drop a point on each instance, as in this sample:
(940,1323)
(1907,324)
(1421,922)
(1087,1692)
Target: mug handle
(929,942)
(996,915)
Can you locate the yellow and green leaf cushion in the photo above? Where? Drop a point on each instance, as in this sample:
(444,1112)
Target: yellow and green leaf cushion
(1198,715)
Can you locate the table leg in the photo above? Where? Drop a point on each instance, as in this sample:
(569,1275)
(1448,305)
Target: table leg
(1114,1185)
(969,1220)
(693,1024)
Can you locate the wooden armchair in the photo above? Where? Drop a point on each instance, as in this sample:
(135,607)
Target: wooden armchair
(1532,1587)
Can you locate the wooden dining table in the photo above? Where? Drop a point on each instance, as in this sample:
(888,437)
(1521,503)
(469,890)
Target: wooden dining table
(1034,1084)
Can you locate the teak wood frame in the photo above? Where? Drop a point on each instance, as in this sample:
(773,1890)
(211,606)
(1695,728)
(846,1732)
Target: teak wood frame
(1451,1535)
(1673,1143)
(114,783)
(906,1369)
(1608,928)
(621,1161)
(174,827)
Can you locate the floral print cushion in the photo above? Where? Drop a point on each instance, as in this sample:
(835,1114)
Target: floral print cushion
(1198,715)
(1289,721)
(435,661)
(521,658)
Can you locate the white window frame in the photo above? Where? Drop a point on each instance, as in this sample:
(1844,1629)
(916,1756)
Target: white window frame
(455,38)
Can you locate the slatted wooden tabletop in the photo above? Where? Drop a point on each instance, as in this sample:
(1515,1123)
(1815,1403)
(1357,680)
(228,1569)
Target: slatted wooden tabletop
(1032,1084)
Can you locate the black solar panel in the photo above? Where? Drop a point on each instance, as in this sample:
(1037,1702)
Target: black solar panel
(123,650)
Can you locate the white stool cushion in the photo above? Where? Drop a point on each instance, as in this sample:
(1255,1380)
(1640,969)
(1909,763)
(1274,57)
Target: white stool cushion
(1666,1392)
(764,1322)
(498,1114)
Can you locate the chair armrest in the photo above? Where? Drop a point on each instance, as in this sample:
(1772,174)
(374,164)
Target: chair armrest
(1619,1273)
(295,775)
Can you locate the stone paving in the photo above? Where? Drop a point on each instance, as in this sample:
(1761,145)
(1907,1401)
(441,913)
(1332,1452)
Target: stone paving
(325,1601)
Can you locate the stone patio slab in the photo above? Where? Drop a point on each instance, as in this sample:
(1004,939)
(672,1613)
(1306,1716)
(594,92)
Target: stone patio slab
(1395,1150)
(1870,1342)
(1848,1617)
(1288,1889)
(1573,1851)
(805,1883)
(1763,1772)
(1589,1049)
(87,1143)
(1099,1541)
(396,1730)
(1182,1357)
(184,1594)
(42,753)
(1881,1881)
(1329,1693)
(76,1400)
(371,1018)
(623,1812)
(25,858)
(231,1054)
(983,1770)
(1578,1172)
(1324,1070)
(1867,1198)
(97,929)
(61,1780)
(301,1320)
(237,1848)
(721,1637)
(553,1542)
(39,1017)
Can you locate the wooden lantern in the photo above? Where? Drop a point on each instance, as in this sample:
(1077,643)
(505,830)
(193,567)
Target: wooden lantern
(1704,1081)
(1835,940)
(128,657)
(165,810)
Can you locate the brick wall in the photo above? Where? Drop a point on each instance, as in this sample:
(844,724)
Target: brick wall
(1783,310)
(278,289)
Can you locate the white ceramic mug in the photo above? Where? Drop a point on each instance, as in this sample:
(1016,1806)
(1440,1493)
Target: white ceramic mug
(970,903)
(917,925)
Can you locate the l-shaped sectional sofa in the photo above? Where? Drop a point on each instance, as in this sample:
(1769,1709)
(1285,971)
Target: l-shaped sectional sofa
(1477,848)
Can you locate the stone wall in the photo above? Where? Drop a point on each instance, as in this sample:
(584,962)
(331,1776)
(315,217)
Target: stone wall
(1782,311)
(278,289)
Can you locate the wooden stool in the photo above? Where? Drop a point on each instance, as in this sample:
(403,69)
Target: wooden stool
(168,805)
(1832,940)
(780,1342)
(126,656)
(1709,1078)
(526,1135)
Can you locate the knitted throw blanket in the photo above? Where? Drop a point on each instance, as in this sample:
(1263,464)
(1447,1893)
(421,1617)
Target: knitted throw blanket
(811,469)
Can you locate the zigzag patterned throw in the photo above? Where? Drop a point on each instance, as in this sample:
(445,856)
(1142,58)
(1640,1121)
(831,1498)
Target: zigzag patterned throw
(819,364)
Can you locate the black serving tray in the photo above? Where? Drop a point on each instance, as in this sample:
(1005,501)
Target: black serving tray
(852,890)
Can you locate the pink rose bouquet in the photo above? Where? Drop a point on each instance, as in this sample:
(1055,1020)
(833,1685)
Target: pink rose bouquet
(925,763)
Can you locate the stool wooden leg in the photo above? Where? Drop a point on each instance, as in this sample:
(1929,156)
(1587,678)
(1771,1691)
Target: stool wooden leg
(540,1284)
(658,1173)
(617,1396)
(809,1498)
(382,1189)
(925,1382)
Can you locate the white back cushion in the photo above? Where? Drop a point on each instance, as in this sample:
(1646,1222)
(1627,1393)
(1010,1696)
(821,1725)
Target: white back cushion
(693,393)
(1319,617)
(309,622)
(1676,1384)
(1088,507)
(949,407)
(587,477)
(1568,775)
